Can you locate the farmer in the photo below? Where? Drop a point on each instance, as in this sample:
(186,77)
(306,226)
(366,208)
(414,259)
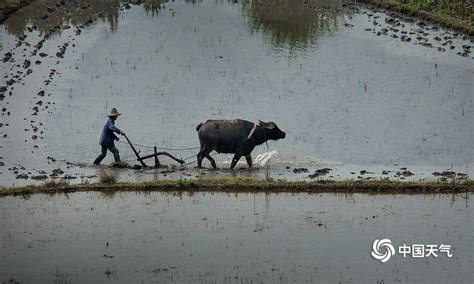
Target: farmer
(107,138)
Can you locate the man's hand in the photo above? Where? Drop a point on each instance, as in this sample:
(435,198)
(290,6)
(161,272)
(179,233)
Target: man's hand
(122,133)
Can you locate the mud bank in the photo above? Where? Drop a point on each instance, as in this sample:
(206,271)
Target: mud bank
(456,22)
(250,185)
(8,7)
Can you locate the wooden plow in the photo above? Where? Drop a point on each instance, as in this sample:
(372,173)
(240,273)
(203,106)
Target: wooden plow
(155,155)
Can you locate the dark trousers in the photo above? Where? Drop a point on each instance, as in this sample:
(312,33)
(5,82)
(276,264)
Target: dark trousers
(103,153)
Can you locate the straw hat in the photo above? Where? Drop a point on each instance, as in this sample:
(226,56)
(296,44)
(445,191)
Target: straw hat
(114,112)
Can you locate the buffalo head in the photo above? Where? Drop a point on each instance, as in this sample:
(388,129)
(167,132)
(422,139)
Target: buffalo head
(271,130)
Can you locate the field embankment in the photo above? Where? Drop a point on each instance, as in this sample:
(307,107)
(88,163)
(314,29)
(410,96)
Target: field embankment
(251,185)
(8,7)
(454,14)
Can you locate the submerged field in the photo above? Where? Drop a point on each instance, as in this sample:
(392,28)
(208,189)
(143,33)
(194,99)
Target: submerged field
(363,93)
(231,237)
(377,108)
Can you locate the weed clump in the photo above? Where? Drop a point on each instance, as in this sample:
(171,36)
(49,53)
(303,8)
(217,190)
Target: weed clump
(184,183)
(108,177)
(54,184)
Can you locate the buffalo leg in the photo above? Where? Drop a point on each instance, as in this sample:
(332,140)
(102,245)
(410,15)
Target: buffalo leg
(200,157)
(205,153)
(249,160)
(235,160)
(213,163)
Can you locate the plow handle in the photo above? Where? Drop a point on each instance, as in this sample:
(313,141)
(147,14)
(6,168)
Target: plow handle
(134,151)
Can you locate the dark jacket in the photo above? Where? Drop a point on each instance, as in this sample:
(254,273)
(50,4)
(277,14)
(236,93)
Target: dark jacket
(108,137)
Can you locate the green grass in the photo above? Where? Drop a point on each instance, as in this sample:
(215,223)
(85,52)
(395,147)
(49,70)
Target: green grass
(184,182)
(469,182)
(418,4)
(451,7)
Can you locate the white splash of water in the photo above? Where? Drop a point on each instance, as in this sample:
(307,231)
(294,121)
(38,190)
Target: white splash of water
(262,159)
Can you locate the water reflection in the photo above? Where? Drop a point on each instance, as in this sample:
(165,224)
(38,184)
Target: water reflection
(153,7)
(295,24)
(290,24)
(50,17)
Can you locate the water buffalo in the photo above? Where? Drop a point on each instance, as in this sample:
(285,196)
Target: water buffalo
(234,136)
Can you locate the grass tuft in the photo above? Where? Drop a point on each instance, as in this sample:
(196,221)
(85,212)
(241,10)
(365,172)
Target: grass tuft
(184,183)
(108,177)
(54,184)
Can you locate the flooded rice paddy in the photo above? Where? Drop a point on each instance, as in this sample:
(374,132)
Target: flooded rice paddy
(232,238)
(359,91)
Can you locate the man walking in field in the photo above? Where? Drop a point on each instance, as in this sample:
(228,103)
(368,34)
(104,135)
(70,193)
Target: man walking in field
(108,137)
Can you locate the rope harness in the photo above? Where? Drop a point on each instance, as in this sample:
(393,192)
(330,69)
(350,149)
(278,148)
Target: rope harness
(253,131)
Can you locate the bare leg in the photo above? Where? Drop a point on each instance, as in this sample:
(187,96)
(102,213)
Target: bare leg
(249,160)
(235,160)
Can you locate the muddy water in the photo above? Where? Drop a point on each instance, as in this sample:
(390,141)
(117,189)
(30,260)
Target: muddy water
(351,95)
(231,238)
